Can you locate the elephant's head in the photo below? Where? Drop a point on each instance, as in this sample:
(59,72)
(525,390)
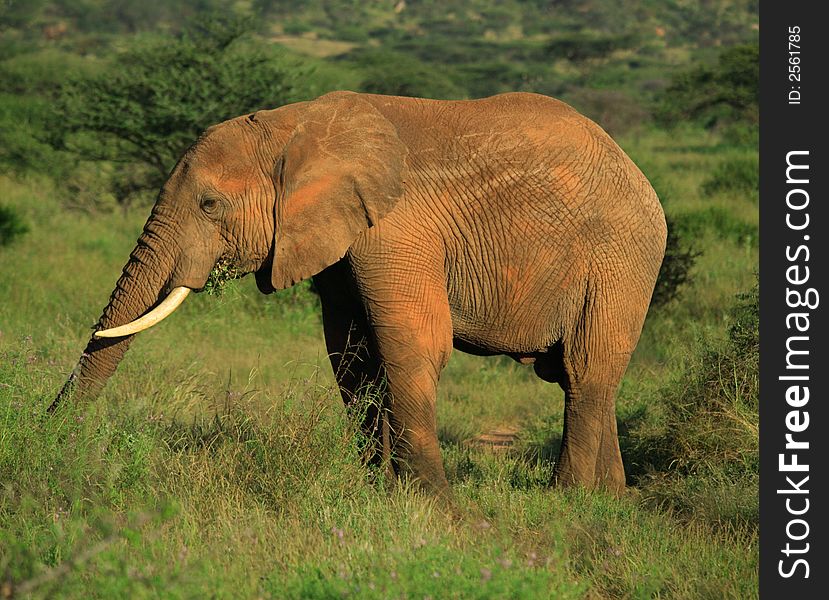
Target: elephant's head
(282,193)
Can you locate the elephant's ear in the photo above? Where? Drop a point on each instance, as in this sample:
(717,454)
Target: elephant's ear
(341,172)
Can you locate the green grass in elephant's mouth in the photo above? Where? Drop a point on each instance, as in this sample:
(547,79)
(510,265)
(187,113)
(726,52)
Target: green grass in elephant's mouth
(223,271)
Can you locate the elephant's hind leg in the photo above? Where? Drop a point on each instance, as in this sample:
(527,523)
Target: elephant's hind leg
(590,454)
(595,357)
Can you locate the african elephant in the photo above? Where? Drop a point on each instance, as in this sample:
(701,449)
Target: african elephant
(506,225)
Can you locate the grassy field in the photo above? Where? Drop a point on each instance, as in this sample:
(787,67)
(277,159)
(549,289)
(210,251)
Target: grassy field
(219,461)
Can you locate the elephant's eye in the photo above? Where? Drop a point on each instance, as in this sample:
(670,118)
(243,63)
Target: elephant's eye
(208,203)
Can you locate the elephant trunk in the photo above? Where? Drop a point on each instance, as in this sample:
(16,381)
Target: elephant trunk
(141,286)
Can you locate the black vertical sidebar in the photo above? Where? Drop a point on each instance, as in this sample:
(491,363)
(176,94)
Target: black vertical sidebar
(794,299)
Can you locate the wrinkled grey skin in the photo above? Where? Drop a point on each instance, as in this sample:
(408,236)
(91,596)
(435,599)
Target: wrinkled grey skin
(508,225)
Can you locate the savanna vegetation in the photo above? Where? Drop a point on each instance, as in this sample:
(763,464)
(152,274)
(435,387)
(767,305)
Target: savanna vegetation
(219,461)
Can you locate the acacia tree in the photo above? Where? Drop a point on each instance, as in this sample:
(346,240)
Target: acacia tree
(723,94)
(158,96)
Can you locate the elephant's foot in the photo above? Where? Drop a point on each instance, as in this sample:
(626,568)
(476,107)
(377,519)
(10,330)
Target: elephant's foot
(612,480)
(610,477)
(418,460)
(571,472)
(610,471)
(603,470)
(590,454)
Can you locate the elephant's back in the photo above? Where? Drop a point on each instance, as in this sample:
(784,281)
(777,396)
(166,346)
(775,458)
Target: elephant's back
(514,137)
(546,170)
(506,120)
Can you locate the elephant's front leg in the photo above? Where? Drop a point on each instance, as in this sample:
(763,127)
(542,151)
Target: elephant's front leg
(413,364)
(408,310)
(355,362)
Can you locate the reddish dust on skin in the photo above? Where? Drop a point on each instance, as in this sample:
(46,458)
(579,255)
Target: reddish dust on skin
(310,192)
(566,178)
(500,438)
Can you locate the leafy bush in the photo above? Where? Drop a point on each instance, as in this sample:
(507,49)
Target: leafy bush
(739,176)
(708,440)
(579,47)
(122,16)
(387,72)
(711,23)
(159,95)
(443,27)
(296,28)
(352,33)
(719,220)
(19,14)
(676,266)
(722,95)
(486,78)
(11,225)
(616,111)
(29,83)
(20,148)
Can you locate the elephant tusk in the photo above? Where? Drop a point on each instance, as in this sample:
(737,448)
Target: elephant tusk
(160,312)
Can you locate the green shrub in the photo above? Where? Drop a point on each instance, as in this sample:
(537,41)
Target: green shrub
(443,27)
(739,176)
(707,443)
(11,225)
(268,8)
(388,72)
(675,271)
(121,16)
(486,78)
(296,28)
(352,33)
(616,111)
(579,47)
(21,119)
(19,14)
(159,95)
(710,23)
(719,220)
(29,83)
(721,95)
